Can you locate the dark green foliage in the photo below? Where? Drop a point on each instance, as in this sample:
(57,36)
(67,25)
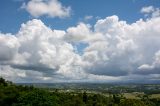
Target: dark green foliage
(116,99)
(13,95)
(156,102)
(85,97)
(131,102)
(36,98)
(8,93)
(3,82)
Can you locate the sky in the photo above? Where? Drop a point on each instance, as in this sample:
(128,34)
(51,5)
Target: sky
(102,41)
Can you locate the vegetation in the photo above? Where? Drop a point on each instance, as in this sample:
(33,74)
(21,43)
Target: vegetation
(17,95)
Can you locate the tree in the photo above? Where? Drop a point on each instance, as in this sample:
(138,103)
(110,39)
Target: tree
(116,99)
(85,97)
(36,98)
(3,82)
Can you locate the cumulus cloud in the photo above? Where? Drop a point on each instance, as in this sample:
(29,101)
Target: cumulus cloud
(38,48)
(8,47)
(114,51)
(45,49)
(51,8)
(153,68)
(148,9)
(79,33)
(151,11)
(116,48)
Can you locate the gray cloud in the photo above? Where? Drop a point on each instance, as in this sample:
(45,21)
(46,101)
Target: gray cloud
(8,46)
(33,67)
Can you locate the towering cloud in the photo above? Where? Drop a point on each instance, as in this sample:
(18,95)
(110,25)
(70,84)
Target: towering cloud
(114,51)
(8,47)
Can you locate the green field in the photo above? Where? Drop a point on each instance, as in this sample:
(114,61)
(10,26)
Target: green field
(155,96)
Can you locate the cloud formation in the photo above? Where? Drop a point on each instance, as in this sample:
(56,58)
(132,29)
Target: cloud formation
(150,11)
(8,47)
(51,8)
(114,51)
(153,68)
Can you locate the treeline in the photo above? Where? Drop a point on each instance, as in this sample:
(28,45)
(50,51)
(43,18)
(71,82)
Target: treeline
(13,95)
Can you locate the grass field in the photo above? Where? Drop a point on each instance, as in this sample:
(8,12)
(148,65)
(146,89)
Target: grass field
(155,96)
(134,95)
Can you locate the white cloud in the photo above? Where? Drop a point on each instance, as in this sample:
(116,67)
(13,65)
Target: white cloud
(46,50)
(148,9)
(122,49)
(78,33)
(8,47)
(88,17)
(40,49)
(153,68)
(151,11)
(51,8)
(115,51)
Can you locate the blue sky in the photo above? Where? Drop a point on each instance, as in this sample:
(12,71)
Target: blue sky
(12,16)
(80,41)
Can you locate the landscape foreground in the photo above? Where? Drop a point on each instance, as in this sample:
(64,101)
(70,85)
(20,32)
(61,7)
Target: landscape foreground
(78,94)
